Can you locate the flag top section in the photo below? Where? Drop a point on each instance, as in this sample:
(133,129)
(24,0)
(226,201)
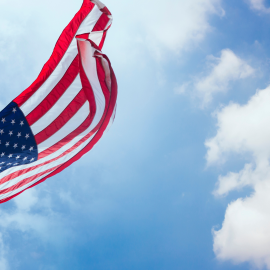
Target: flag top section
(88,21)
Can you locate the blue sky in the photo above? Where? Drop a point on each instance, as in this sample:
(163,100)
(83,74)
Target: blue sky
(182,178)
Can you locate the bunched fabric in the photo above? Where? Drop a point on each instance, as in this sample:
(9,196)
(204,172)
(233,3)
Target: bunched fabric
(65,112)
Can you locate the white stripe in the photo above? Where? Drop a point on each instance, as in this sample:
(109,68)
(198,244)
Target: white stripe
(52,81)
(86,27)
(58,107)
(90,21)
(11,193)
(111,120)
(99,4)
(90,68)
(96,37)
(70,126)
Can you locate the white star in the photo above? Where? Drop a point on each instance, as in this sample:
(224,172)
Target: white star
(32,159)
(27,136)
(2,154)
(9,163)
(7,144)
(31,148)
(25,158)
(16,164)
(18,157)
(10,156)
(0,168)
(2,163)
(3,120)
(23,147)
(19,134)
(10,133)
(2,131)
(15,145)
(14,110)
(13,122)
(22,123)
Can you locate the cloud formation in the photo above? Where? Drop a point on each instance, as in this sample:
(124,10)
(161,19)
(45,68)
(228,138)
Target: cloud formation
(24,218)
(245,233)
(259,5)
(224,69)
(244,130)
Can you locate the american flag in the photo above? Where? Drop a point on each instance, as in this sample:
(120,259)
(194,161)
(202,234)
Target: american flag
(64,113)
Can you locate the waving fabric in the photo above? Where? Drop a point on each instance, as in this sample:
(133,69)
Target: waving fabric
(64,113)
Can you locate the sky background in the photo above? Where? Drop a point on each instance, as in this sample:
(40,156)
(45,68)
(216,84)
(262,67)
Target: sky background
(182,178)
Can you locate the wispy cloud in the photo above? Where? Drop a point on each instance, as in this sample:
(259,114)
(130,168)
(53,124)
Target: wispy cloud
(172,26)
(4,265)
(224,69)
(259,5)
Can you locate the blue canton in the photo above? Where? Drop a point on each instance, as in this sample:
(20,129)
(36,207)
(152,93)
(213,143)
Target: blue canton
(17,142)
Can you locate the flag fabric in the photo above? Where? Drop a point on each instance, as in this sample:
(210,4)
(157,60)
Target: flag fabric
(64,113)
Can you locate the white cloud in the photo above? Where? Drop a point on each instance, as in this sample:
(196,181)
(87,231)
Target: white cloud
(245,233)
(34,214)
(3,254)
(224,69)
(244,130)
(22,218)
(259,5)
(176,24)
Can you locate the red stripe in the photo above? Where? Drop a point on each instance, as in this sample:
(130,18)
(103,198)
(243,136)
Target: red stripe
(67,139)
(26,181)
(101,23)
(101,78)
(63,118)
(56,93)
(106,11)
(93,141)
(59,50)
(102,40)
(83,36)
